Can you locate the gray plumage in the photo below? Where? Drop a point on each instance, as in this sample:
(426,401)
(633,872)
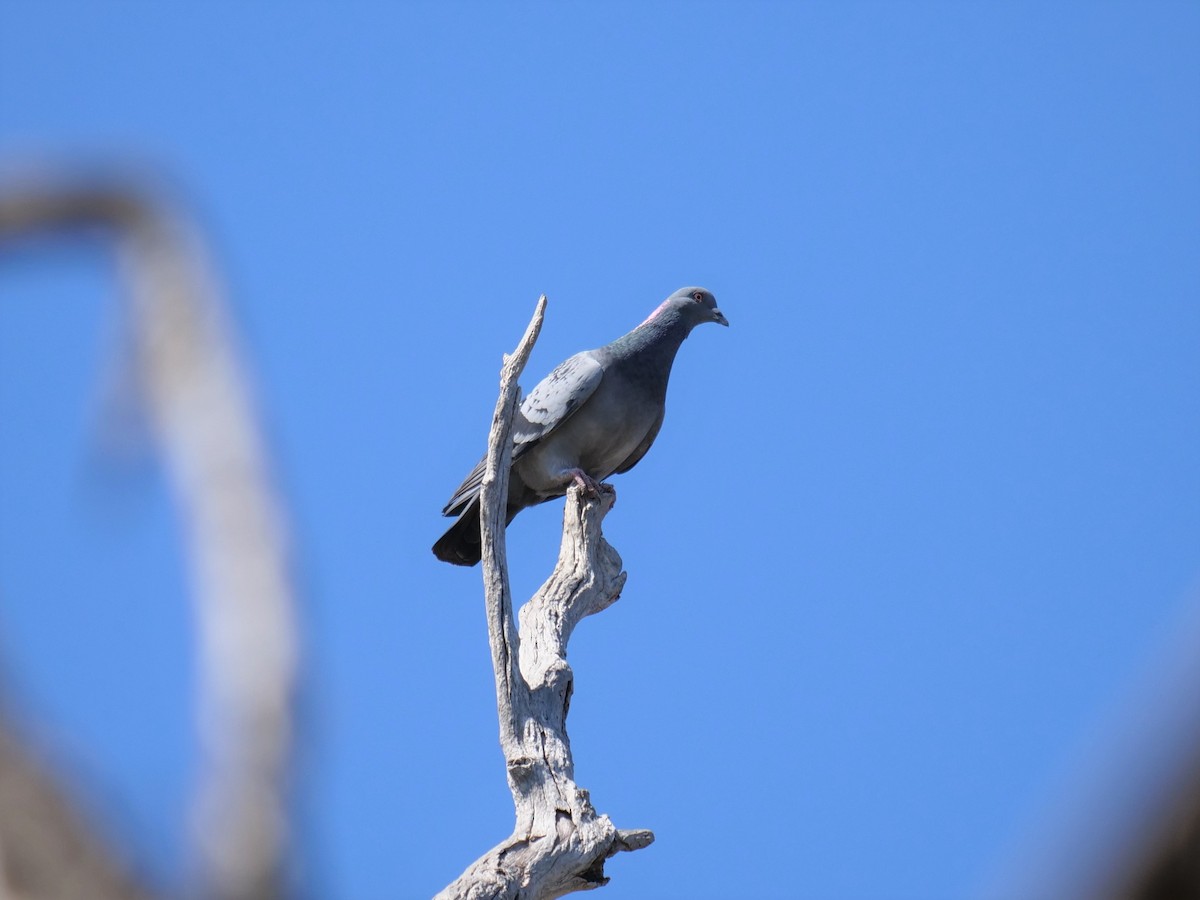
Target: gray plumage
(594,416)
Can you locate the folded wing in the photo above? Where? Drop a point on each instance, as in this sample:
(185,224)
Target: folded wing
(555,399)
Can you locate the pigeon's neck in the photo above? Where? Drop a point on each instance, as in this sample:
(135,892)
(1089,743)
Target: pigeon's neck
(653,344)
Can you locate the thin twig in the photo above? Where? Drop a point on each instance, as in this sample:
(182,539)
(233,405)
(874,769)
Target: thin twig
(502,628)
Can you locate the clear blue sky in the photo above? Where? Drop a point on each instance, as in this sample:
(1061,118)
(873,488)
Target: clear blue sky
(914,522)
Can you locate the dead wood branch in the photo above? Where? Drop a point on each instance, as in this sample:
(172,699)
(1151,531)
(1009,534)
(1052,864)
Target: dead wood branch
(560,843)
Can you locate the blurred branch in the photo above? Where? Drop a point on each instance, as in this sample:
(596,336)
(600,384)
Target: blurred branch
(1170,868)
(559,844)
(237,544)
(46,850)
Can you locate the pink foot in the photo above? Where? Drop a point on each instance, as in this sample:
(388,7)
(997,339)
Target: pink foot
(593,489)
(589,484)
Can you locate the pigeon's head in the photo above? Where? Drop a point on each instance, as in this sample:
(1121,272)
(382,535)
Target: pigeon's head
(696,305)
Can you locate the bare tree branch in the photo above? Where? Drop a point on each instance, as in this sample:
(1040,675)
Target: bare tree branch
(559,844)
(502,630)
(209,431)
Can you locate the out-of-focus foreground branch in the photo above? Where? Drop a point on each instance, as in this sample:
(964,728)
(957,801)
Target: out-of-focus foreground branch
(559,844)
(204,418)
(46,849)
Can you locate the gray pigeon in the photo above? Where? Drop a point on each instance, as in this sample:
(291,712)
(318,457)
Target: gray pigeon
(595,415)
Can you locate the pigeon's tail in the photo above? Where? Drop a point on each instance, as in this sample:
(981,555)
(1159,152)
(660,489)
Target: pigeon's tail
(460,544)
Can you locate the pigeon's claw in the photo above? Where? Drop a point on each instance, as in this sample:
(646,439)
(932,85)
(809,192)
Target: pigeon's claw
(590,485)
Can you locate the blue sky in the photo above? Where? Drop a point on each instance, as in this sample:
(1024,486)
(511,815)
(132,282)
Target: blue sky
(914,524)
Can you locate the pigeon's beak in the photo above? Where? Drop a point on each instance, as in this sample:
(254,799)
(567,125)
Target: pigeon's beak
(719,317)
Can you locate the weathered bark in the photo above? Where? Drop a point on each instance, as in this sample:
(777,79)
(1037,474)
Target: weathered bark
(560,843)
(200,402)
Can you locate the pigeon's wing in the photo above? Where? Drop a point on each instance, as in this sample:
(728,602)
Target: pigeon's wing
(548,405)
(555,399)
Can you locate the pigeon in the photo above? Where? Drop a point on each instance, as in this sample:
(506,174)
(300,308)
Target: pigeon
(595,415)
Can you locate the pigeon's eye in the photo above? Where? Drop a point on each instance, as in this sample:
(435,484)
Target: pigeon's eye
(698,296)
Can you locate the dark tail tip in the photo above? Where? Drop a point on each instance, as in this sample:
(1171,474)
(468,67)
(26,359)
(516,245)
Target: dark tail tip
(460,545)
